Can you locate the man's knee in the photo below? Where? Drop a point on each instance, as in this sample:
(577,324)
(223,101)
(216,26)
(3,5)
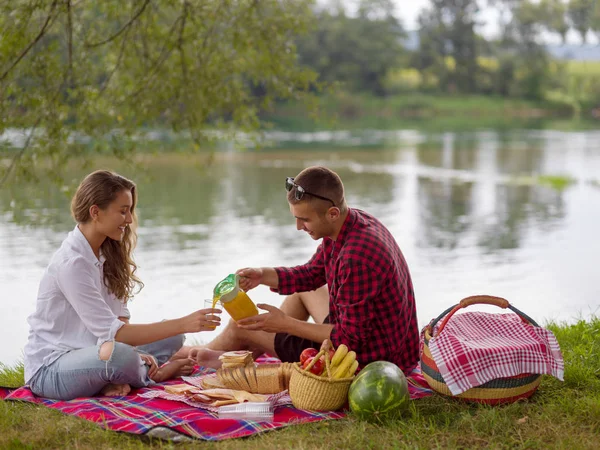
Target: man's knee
(174,343)
(232,335)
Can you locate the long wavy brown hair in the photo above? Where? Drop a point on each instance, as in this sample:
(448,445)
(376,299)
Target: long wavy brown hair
(101,188)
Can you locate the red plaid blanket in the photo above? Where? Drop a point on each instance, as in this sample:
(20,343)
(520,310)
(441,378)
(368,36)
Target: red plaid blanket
(476,347)
(146,413)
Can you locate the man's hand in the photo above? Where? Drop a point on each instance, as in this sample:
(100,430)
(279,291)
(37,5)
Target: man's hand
(274,321)
(250,278)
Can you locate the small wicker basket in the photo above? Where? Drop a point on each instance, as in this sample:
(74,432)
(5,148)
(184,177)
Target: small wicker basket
(318,393)
(497,391)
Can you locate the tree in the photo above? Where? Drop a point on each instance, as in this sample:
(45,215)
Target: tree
(595,21)
(521,44)
(448,29)
(580,14)
(85,76)
(554,17)
(357,51)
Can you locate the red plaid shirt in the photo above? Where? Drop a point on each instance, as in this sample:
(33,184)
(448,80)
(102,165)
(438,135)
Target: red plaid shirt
(371,299)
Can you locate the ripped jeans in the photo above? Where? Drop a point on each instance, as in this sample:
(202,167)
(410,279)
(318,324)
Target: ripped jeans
(81,373)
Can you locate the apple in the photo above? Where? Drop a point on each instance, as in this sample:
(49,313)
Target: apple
(317,368)
(331,353)
(307,353)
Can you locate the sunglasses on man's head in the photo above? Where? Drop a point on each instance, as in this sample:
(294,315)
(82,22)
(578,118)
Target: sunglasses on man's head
(300,191)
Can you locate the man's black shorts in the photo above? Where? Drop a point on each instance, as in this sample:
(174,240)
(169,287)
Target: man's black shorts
(288,347)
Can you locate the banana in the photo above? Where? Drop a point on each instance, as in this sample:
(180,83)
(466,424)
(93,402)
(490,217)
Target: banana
(339,355)
(348,360)
(351,370)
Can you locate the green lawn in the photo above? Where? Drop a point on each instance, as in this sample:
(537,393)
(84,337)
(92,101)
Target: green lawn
(423,111)
(559,415)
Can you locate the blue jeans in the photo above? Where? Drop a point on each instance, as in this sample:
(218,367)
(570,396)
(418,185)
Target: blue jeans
(81,373)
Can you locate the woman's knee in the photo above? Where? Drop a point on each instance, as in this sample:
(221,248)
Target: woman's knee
(119,355)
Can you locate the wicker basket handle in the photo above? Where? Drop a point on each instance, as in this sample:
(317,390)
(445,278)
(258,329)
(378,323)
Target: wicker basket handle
(484,300)
(316,358)
(477,300)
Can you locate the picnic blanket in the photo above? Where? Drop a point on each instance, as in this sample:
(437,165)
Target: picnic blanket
(143,411)
(477,347)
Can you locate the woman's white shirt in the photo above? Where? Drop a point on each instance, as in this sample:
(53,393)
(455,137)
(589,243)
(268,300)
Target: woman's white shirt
(74,307)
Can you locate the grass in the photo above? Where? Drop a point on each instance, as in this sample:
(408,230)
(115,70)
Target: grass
(437,111)
(557,182)
(560,415)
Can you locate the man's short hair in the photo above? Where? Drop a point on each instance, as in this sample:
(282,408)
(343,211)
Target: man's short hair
(320,181)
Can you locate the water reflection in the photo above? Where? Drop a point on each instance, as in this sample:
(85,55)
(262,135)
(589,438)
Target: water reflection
(464,208)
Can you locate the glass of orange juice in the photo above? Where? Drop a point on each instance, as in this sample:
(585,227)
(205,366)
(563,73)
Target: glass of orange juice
(208,303)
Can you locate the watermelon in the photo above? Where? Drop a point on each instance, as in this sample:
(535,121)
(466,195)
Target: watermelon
(379,391)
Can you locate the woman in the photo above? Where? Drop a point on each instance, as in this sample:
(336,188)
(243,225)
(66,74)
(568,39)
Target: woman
(80,341)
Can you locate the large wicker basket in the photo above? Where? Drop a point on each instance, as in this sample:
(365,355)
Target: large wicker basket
(318,393)
(500,390)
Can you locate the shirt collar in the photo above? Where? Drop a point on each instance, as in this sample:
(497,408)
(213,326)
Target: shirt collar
(85,248)
(347,226)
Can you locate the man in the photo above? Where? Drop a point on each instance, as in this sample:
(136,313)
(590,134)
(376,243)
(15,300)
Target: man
(356,287)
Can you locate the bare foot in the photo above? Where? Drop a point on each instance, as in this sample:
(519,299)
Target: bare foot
(174,368)
(182,353)
(115,390)
(206,357)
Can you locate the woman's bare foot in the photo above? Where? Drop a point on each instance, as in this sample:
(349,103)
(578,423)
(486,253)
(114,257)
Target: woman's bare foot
(206,357)
(174,368)
(115,390)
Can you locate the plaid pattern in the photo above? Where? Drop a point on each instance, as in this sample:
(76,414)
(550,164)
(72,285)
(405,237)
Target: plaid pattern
(139,414)
(372,304)
(477,347)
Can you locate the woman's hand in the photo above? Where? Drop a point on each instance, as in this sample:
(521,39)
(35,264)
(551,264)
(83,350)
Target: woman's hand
(250,278)
(202,320)
(151,362)
(274,321)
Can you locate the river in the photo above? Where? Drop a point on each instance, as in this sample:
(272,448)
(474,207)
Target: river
(479,212)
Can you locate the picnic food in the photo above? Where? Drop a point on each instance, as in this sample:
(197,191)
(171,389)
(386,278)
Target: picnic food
(347,367)
(316,368)
(307,353)
(323,392)
(343,363)
(238,358)
(215,397)
(179,389)
(379,391)
(261,379)
(235,301)
(339,354)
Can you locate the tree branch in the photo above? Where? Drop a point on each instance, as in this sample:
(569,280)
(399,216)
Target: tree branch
(117,65)
(21,152)
(164,54)
(37,123)
(70,37)
(32,43)
(180,43)
(125,27)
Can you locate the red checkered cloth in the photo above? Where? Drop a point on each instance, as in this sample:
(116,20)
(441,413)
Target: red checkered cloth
(143,411)
(138,413)
(476,347)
